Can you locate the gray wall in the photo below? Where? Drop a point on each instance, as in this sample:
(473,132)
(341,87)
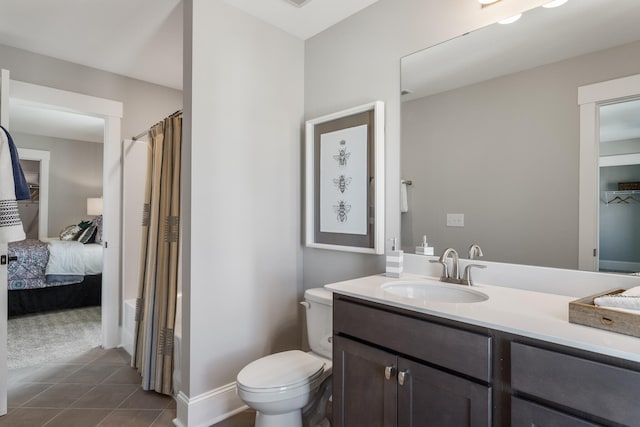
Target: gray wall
(505,153)
(144,103)
(241,217)
(75,173)
(357,61)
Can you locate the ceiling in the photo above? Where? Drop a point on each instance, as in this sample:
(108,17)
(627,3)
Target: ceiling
(134,38)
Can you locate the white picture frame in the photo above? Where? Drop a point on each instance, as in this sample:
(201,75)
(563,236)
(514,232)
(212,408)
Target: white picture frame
(344,180)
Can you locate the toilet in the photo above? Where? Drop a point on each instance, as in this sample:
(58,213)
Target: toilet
(292,388)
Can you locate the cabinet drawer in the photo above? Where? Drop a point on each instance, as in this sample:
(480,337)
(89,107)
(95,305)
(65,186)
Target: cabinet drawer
(528,414)
(459,350)
(606,391)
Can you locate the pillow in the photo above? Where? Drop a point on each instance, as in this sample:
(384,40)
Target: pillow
(88,234)
(97,221)
(70,232)
(84,224)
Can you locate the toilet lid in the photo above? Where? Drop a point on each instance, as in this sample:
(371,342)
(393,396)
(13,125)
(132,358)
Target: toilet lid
(280,370)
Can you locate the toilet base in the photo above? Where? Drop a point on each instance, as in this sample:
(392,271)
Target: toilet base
(290,419)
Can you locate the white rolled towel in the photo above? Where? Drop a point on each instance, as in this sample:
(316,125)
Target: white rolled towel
(404,201)
(11,229)
(629,300)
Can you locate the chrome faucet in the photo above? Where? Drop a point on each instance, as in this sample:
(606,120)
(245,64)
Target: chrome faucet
(454,276)
(475,251)
(446,276)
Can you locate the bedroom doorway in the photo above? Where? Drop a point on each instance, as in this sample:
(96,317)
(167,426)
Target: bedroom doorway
(111,112)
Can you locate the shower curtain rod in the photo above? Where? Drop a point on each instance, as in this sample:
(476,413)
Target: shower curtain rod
(144,133)
(140,135)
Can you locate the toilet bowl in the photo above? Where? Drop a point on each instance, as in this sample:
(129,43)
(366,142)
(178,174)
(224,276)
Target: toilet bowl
(280,385)
(289,387)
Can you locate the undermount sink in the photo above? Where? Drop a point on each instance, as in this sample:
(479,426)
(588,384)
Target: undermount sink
(433,291)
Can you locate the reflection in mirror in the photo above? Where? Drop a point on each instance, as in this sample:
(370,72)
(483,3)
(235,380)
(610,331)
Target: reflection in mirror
(619,219)
(491,130)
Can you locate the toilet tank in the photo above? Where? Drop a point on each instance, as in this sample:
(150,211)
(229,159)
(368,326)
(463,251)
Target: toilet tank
(319,309)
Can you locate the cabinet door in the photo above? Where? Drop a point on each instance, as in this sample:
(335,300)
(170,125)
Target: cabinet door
(429,397)
(362,393)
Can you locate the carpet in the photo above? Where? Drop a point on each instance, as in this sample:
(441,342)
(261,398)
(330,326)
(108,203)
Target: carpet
(34,339)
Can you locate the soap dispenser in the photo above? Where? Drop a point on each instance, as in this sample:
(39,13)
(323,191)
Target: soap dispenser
(395,260)
(424,248)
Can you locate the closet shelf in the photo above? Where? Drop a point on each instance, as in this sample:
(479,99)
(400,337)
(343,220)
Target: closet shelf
(626,197)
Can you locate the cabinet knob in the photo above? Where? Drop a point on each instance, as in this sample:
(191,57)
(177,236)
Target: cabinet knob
(402,377)
(389,371)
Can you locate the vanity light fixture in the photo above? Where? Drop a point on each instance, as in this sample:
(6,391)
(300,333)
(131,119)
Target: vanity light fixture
(554,3)
(511,19)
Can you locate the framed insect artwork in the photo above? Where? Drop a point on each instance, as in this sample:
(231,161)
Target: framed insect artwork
(344,186)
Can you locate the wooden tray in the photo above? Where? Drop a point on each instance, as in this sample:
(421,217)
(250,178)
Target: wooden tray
(584,312)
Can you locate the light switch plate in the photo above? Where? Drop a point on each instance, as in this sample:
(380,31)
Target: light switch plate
(455,220)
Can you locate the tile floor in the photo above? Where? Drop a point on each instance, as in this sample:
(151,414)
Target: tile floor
(97,388)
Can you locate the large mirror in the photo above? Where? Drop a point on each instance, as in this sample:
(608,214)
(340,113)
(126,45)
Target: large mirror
(491,130)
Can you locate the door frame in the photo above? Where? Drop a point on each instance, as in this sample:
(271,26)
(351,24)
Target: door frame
(590,98)
(111,112)
(43,157)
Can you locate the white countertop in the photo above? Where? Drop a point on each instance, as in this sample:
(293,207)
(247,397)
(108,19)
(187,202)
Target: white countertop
(532,314)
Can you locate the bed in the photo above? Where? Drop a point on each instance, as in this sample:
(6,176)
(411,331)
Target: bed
(53,275)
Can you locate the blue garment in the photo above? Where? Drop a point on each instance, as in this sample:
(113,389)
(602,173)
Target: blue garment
(19,181)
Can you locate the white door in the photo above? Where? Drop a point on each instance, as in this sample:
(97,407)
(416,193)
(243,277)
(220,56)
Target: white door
(590,99)
(4,121)
(619,213)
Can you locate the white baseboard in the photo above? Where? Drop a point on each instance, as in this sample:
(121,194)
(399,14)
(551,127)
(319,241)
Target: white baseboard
(611,265)
(208,408)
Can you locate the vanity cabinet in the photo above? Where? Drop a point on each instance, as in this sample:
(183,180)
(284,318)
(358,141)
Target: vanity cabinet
(397,367)
(576,386)
(392,369)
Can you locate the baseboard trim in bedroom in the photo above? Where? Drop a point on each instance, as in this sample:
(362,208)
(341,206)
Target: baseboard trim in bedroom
(208,408)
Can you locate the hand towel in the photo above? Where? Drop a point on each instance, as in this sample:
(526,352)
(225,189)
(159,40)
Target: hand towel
(19,181)
(404,201)
(10,223)
(629,299)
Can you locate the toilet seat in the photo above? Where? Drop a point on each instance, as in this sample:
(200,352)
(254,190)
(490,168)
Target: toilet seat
(280,372)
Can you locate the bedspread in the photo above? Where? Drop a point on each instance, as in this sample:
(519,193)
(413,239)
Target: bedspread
(41,265)
(27,272)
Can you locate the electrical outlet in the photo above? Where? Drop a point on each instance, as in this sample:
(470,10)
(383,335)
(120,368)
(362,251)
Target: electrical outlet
(455,220)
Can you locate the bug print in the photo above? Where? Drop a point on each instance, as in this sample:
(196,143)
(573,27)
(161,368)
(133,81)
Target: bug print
(342,183)
(342,155)
(341,209)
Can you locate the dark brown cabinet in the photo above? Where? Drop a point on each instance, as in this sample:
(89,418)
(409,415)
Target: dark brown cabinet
(578,385)
(362,395)
(527,414)
(430,397)
(383,376)
(395,367)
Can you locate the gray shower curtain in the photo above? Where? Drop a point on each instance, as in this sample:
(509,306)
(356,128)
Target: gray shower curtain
(156,303)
